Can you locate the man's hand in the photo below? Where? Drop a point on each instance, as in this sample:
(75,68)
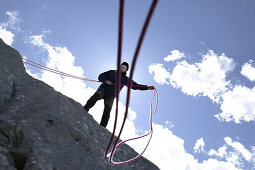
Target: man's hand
(109,82)
(151,87)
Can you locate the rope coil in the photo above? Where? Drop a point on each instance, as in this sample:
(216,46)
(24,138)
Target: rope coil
(116,145)
(107,153)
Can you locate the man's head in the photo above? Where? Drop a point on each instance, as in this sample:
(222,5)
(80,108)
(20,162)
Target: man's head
(124,67)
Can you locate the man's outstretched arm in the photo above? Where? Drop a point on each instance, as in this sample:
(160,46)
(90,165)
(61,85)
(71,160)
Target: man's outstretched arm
(136,86)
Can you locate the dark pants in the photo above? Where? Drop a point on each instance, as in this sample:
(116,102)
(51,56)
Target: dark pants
(101,93)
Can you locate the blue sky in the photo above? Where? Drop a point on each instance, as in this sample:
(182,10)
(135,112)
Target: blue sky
(199,55)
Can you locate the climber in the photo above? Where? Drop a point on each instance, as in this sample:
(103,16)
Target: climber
(106,91)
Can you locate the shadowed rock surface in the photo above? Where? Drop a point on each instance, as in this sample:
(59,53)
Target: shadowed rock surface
(43,129)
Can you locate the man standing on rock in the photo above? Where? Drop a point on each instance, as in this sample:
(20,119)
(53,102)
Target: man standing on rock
(106,91)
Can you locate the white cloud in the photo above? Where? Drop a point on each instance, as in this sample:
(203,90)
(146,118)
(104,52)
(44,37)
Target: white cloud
(161,75)
(170,124)
(222,151)
(6,36)
(166,150)
(13,21)
(239,147)
(214,164)
(235,153)
(199,145)
(38,40)
(248,71)
(238,105)
(207,78)
(175,55)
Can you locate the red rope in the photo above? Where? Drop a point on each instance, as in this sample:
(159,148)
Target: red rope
(116,144)
(121,12)
(34,64)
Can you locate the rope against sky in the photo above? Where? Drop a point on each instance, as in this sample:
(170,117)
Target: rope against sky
(116,145)
(145,26)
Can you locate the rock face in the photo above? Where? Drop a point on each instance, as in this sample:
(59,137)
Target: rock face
(43,129)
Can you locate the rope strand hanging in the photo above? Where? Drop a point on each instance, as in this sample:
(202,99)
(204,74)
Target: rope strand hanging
(116,145)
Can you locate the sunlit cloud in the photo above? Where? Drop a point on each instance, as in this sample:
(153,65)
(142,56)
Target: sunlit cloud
(160,74)
(209,78)
(175,55)
(199,145)
(6,36)
(169,124)
(167,151)
(221,152)
(235,153)
(238,105)
(13,20)
(12,23)
(248,70)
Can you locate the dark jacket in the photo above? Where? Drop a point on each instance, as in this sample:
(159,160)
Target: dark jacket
(111,76)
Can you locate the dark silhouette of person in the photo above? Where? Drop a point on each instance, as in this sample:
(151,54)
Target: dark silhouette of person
(106,90)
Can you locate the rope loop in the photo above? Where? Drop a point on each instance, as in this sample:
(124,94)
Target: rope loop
(116,145)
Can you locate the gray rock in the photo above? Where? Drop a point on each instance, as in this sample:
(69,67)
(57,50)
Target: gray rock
(43,129)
